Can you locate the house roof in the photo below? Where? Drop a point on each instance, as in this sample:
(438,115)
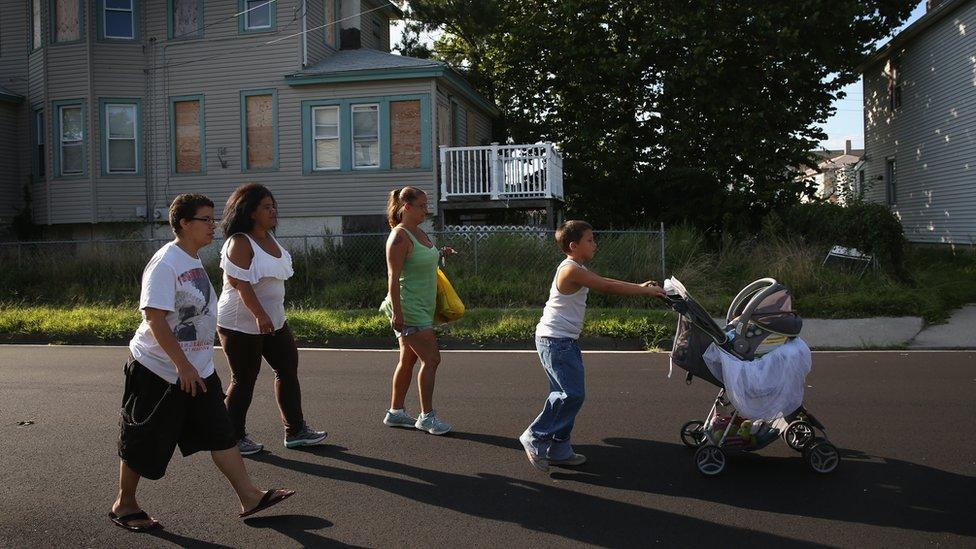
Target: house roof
(366,59)
(390,7)
(364,64)
(919,26)
(7,95)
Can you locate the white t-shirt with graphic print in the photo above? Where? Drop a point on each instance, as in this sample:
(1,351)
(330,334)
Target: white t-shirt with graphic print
(176,282)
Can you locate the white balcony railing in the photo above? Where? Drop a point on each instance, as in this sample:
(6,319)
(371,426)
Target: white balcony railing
(502,171)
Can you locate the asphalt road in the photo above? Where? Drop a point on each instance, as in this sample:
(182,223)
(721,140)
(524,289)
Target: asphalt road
(903,419)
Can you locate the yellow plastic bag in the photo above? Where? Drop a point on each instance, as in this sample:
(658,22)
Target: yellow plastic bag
(449,306)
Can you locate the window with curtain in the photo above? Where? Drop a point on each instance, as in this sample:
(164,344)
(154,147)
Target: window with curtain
(121,146)
(72,140)
(325,133)
(365,136)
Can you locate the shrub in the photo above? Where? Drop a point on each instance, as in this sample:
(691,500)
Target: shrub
(867,226)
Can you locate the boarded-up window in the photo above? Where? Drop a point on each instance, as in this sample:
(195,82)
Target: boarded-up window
(186,121)
(260,131)
(444,126)
(404,134)
(66,27)
(185,17)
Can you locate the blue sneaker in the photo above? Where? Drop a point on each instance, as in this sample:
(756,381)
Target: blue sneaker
(432,424)
(399,419)
(248,447)
(306,437)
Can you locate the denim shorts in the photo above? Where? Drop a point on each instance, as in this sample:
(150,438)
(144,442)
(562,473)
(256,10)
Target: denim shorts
(410,330)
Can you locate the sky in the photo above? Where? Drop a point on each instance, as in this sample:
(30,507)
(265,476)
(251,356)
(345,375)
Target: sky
(846,123)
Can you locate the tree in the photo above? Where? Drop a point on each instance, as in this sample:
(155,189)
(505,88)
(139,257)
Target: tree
(689,110)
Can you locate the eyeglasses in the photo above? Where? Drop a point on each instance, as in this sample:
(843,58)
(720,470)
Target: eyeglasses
(210,220)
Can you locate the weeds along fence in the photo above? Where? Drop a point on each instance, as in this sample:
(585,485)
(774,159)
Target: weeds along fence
(493,268)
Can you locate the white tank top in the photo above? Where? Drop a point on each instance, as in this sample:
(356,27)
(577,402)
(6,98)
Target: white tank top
(267,275)
(563,315)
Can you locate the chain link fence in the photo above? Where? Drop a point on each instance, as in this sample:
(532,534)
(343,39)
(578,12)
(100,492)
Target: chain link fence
(492,268)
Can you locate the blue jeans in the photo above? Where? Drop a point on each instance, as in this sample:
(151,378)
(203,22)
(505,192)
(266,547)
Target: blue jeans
(549,434)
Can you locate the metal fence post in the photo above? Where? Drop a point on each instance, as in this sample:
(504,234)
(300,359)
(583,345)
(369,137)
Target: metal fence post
(308,264)
(664,272)
(477,237)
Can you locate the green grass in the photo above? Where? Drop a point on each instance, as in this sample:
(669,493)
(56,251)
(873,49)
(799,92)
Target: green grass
(115,324)
(507,277)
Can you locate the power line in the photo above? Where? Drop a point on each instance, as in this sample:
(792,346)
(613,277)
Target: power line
(262,44)
(235,16)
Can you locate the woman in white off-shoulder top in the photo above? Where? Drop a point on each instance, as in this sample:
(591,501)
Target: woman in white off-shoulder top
(251,320)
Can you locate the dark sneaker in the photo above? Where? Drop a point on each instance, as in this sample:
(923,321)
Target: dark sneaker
(248,447)
(306,437)
(575,459)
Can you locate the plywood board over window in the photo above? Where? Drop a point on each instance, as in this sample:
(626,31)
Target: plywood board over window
(260,131)
(185,17)
(187,122)
(404,134)
(66,28)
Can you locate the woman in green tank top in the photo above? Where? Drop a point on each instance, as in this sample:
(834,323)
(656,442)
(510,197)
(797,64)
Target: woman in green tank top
(411,260)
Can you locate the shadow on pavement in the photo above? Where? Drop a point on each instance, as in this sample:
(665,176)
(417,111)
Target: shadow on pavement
(183,541)
(538,506)
(864,489)
(297,527)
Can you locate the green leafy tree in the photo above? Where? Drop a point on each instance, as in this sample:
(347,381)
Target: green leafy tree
(690,110)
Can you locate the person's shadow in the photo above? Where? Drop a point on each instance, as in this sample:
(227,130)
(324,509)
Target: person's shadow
(863,489)
(538,506)
(299,528)
(184,541)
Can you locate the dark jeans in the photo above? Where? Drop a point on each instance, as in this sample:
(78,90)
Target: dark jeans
(244,352)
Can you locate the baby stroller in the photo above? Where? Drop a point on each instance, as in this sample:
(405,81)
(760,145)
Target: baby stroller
(759,320)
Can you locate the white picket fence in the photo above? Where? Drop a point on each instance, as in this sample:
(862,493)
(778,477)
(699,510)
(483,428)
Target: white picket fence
(502,171)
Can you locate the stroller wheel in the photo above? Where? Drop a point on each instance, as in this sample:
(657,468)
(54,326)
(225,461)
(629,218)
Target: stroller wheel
(822,456)
(692,434)
(798,435)
(710,460)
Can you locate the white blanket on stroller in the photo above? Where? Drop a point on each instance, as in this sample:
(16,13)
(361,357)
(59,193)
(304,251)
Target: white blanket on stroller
(765,388)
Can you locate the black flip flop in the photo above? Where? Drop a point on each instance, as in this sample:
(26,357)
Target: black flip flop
(271,497)
(126,520)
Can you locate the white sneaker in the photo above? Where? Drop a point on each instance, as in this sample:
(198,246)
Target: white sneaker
(399,419)
(432,424)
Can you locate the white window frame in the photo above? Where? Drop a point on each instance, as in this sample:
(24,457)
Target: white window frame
(379,138)
(247,15)
(131,11)
(62,142)
(337,139)
(134,139)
